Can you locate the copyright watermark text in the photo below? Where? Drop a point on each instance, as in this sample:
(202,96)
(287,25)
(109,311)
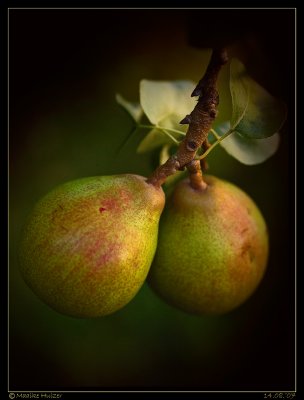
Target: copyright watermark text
(13,395)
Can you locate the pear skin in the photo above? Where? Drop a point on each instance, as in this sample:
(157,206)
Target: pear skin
(213,248)
(88,245)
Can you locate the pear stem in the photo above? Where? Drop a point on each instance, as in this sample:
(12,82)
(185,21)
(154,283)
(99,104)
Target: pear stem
(196,177)
(200,121)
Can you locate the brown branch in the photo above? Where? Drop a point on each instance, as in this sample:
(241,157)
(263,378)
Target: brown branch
(200,121)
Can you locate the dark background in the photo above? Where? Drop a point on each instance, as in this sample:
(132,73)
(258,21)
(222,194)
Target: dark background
(65,67)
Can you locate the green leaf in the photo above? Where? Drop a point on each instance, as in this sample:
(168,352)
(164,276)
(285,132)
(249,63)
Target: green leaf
(133,109)
(164,154)
(165,104)
(223,128)
(251,151)
(256,114)
(164,101)
(155,138)
(248,151)
(239,90)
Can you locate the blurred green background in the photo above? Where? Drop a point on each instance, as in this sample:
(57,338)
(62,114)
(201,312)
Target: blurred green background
(65,68)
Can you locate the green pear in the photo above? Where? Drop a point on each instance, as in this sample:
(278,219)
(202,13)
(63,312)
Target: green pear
(212,248)
(88,245)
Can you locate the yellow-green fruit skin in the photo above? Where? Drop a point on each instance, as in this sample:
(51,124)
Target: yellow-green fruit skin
(88,245)
(212,250)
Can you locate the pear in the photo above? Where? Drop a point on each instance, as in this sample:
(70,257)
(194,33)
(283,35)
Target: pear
(212,248)
(88,245)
